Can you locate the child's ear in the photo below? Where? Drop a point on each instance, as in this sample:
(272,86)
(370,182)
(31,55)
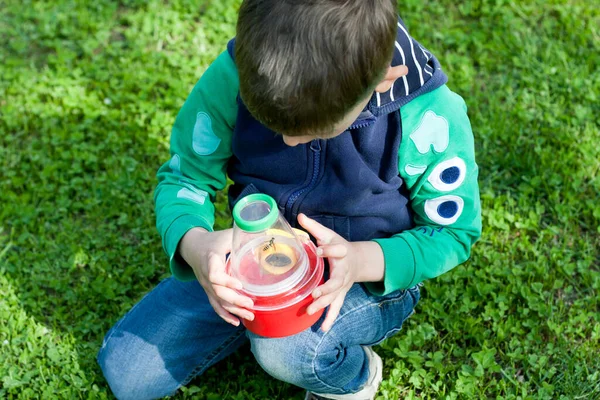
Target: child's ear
(390,77)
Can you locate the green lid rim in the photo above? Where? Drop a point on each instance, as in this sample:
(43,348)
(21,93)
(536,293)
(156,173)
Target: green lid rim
(258,225)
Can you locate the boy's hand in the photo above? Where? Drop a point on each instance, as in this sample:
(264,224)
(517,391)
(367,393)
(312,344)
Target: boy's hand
(347,262)
(205,253)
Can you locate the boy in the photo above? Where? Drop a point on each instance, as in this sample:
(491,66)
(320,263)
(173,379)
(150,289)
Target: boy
(358,132)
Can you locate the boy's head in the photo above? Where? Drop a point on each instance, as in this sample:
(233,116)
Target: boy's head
(307,68)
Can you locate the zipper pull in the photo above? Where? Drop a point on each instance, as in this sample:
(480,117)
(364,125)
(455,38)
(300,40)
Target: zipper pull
(315,145)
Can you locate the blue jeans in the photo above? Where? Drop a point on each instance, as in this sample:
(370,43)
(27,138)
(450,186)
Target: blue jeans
(173,335)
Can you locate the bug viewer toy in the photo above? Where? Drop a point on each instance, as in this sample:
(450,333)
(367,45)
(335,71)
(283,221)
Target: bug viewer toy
(277,265)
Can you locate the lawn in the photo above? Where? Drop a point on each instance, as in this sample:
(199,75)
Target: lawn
(89,91)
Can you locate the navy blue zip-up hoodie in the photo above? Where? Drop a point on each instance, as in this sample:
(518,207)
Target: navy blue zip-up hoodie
(349,183)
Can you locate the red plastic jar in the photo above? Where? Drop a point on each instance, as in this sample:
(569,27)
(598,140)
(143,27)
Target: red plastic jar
(280,309)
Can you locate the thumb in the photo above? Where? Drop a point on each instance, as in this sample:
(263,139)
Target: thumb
(322,234)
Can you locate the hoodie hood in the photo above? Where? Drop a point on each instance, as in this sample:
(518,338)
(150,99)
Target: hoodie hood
(424,74)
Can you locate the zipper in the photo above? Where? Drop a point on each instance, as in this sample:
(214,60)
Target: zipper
(365,118)
(361,125)
(315,147)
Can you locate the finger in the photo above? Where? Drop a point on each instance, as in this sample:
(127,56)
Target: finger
(333,250)
(331,286)
(240,312)
(220,278)
(322,302)
(226,281)
(221,312)
(336,281)
(333,312)
(324,235)
(232,297)
(217,274)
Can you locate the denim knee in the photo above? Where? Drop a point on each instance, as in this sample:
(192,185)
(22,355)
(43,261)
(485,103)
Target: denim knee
(286,359)
(334,362)
(134,369)
(315,361)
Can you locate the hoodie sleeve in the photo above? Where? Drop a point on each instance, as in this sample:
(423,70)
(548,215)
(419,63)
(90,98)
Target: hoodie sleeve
(437,163)
(200,150)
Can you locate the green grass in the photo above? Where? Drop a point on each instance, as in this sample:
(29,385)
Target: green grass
(88,93)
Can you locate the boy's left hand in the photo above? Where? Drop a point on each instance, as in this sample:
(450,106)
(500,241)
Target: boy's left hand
(345,262)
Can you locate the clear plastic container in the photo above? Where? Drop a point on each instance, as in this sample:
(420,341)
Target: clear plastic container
(277,265)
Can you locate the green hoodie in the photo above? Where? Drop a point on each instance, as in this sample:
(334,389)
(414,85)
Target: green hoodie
(436,160)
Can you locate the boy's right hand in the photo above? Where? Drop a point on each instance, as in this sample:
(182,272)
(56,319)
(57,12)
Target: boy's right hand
(205,252)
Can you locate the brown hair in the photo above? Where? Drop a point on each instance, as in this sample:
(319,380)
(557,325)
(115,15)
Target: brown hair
(303,64)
